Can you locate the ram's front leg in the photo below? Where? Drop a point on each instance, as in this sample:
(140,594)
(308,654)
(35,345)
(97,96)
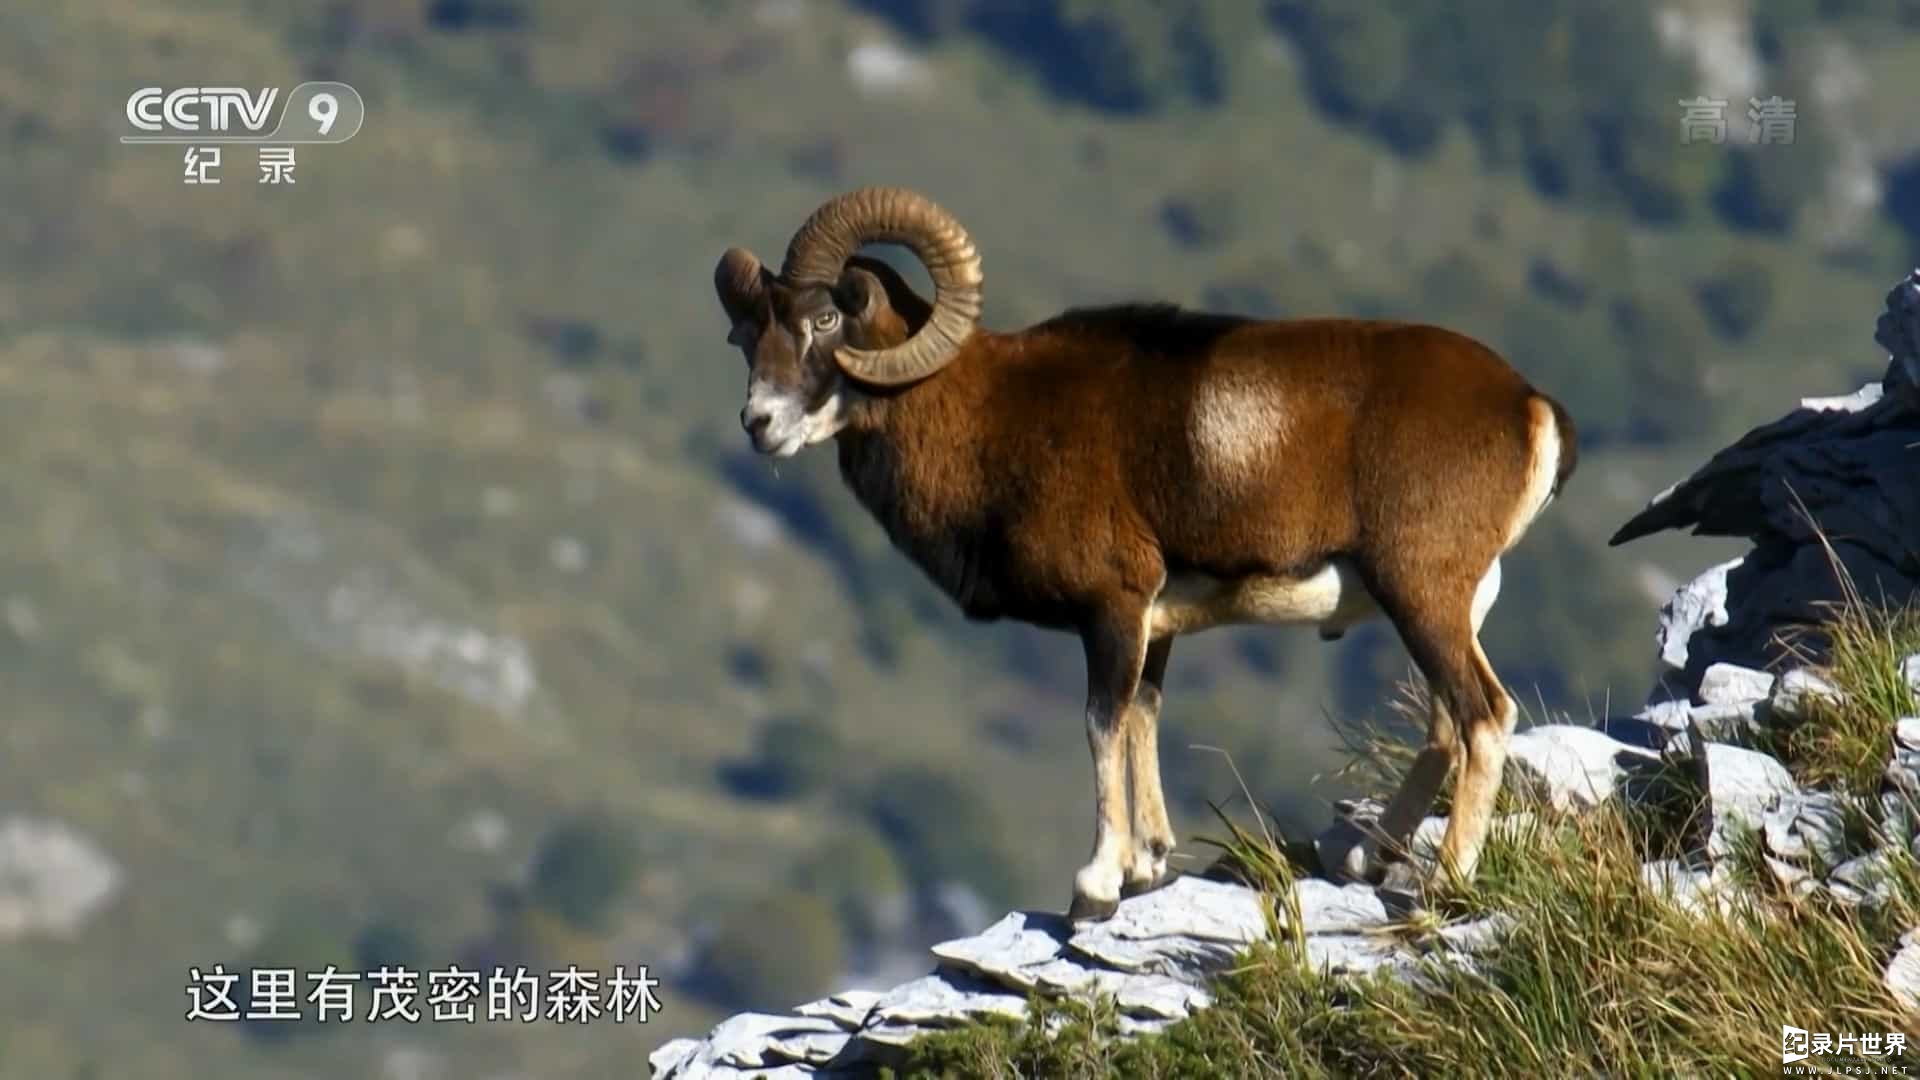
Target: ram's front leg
(1152,832)
(1116,648)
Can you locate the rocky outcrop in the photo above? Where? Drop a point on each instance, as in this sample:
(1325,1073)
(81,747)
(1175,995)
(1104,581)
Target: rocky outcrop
(1831,481)
(1153,958)
(1845,466)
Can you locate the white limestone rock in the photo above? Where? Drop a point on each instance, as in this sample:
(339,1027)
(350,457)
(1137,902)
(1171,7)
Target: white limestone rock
(1188,929)
(939,1000)
(1743,786)
(667,1060)
(1691,888)
(1903,971)
(1326,908)
(849,1008)
(1698,604)
(1863,881)
(1806,827)
(1800,692)
(1003,951)
(1570,766)
(1731,684)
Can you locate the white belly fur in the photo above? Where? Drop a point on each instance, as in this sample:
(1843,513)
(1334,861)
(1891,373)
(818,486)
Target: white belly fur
(1332,598)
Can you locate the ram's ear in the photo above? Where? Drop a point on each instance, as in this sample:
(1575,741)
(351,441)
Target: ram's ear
(740,282)
(878,300)
(743,335)
(860,294)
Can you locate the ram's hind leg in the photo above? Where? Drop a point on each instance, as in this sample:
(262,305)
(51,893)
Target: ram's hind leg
(1440,630)
(1444,747)
(1421,786)
(1152,832)
(1359,850)
(1477,787)
(1464,688)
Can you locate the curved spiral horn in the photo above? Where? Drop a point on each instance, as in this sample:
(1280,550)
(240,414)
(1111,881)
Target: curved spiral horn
(819,251)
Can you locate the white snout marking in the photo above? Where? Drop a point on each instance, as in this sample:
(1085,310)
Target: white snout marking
(1234,427)
(789,426)
(1332,598)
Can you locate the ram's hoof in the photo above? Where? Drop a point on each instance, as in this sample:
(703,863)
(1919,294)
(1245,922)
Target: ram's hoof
(1347,852)
(1088,909)
(1159,880)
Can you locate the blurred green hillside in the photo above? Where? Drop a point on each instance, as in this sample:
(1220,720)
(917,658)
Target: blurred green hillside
(386,579)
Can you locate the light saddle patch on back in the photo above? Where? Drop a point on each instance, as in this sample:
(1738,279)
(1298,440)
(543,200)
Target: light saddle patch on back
(1235,426)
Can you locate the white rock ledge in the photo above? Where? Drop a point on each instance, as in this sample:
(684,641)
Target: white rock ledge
(1153,958)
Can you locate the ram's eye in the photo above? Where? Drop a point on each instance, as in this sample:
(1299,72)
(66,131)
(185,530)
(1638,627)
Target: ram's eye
(826,320)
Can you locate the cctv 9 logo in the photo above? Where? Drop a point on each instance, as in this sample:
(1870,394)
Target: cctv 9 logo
(314,112)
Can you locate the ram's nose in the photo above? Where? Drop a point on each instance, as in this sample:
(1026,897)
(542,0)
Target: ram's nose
(756,424)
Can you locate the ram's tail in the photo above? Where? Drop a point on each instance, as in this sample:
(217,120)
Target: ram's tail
(1569,444)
